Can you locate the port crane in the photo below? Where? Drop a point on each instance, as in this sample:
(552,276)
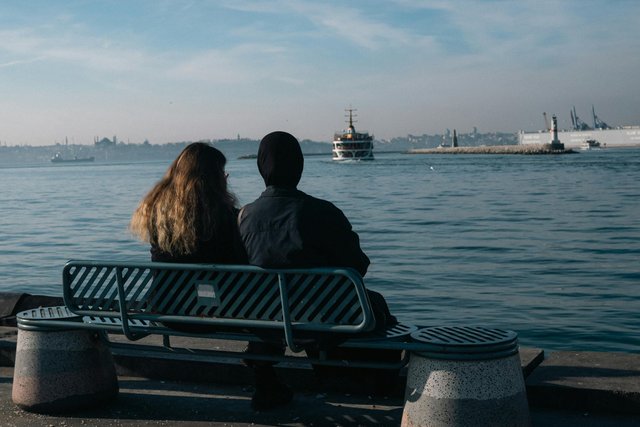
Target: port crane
(576,122)
(597,123)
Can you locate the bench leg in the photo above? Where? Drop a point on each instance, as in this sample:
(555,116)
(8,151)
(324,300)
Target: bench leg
(465,393)
(57,371)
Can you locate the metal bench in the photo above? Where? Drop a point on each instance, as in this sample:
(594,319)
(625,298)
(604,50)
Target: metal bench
(225,302)
(300,307)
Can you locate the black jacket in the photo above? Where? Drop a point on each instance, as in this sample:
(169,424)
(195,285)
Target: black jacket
(285,227)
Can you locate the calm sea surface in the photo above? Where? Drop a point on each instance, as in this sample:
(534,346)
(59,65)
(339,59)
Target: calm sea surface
(548,246)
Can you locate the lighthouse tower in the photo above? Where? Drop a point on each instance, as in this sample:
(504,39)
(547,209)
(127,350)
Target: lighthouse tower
(555,142)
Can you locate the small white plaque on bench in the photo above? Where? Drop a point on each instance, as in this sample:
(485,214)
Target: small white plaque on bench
(207,294)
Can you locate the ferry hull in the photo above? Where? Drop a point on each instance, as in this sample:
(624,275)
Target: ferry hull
(339,155)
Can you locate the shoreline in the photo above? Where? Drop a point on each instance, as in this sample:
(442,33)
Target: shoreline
(530,149)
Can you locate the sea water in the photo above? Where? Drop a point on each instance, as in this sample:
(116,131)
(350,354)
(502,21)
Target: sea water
(548,246)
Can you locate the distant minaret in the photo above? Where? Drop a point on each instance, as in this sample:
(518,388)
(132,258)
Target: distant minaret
(454,142)
(555,142)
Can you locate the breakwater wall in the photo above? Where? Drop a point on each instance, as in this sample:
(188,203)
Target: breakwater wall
(533,149)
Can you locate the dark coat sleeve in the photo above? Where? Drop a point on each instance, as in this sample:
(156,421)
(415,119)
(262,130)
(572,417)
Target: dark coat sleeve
(330,229)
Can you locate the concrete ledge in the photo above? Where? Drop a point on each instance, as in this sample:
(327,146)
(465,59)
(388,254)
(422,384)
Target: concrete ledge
(132,362)
(589,381)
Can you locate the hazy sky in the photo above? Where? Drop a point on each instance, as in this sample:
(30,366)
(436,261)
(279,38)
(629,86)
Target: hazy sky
(178,70)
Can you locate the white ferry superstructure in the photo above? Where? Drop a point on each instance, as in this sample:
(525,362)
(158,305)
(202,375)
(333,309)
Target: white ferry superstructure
(352,145)
(606,136)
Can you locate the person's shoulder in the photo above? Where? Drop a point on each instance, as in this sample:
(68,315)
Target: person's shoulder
(263,198)
(317,201)
(322,206)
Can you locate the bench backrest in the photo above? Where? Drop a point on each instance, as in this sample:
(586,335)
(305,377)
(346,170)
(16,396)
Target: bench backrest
(317,299)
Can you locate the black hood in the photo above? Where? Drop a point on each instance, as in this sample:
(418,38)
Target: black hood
(280,160)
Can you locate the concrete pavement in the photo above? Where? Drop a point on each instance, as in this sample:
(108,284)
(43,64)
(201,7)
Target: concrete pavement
(565,389)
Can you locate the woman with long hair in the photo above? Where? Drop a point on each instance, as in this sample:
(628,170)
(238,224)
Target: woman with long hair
(190,215)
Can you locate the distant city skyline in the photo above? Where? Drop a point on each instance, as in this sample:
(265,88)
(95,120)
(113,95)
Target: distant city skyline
(179,70)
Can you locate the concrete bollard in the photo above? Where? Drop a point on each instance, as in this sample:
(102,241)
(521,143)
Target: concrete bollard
(62,370)
(468,382)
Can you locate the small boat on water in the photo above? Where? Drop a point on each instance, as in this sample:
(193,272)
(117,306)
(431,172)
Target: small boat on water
(590,144)
(352,145)
(59,159)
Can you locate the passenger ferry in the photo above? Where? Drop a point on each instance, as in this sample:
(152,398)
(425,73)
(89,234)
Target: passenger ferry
(352,145)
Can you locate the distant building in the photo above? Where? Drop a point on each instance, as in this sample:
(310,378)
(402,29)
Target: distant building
(104,142)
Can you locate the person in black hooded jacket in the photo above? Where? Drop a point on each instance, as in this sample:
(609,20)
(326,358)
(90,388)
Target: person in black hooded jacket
(286,228)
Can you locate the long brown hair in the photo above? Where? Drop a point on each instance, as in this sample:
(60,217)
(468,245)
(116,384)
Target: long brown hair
(190,204)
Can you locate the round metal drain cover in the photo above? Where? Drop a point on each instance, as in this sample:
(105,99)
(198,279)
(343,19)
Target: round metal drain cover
(466,342)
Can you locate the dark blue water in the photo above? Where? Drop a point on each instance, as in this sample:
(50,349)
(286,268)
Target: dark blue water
(548,246)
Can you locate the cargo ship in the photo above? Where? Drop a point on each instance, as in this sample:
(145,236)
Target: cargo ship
(581,132)
(352,145)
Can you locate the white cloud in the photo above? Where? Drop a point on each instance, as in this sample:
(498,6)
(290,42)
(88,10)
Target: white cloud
(242,64)
(340,20)
(77,50)
(350,24)
(10,64)
(253,6)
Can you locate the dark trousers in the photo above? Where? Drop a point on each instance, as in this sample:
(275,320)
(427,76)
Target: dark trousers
(381,380)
